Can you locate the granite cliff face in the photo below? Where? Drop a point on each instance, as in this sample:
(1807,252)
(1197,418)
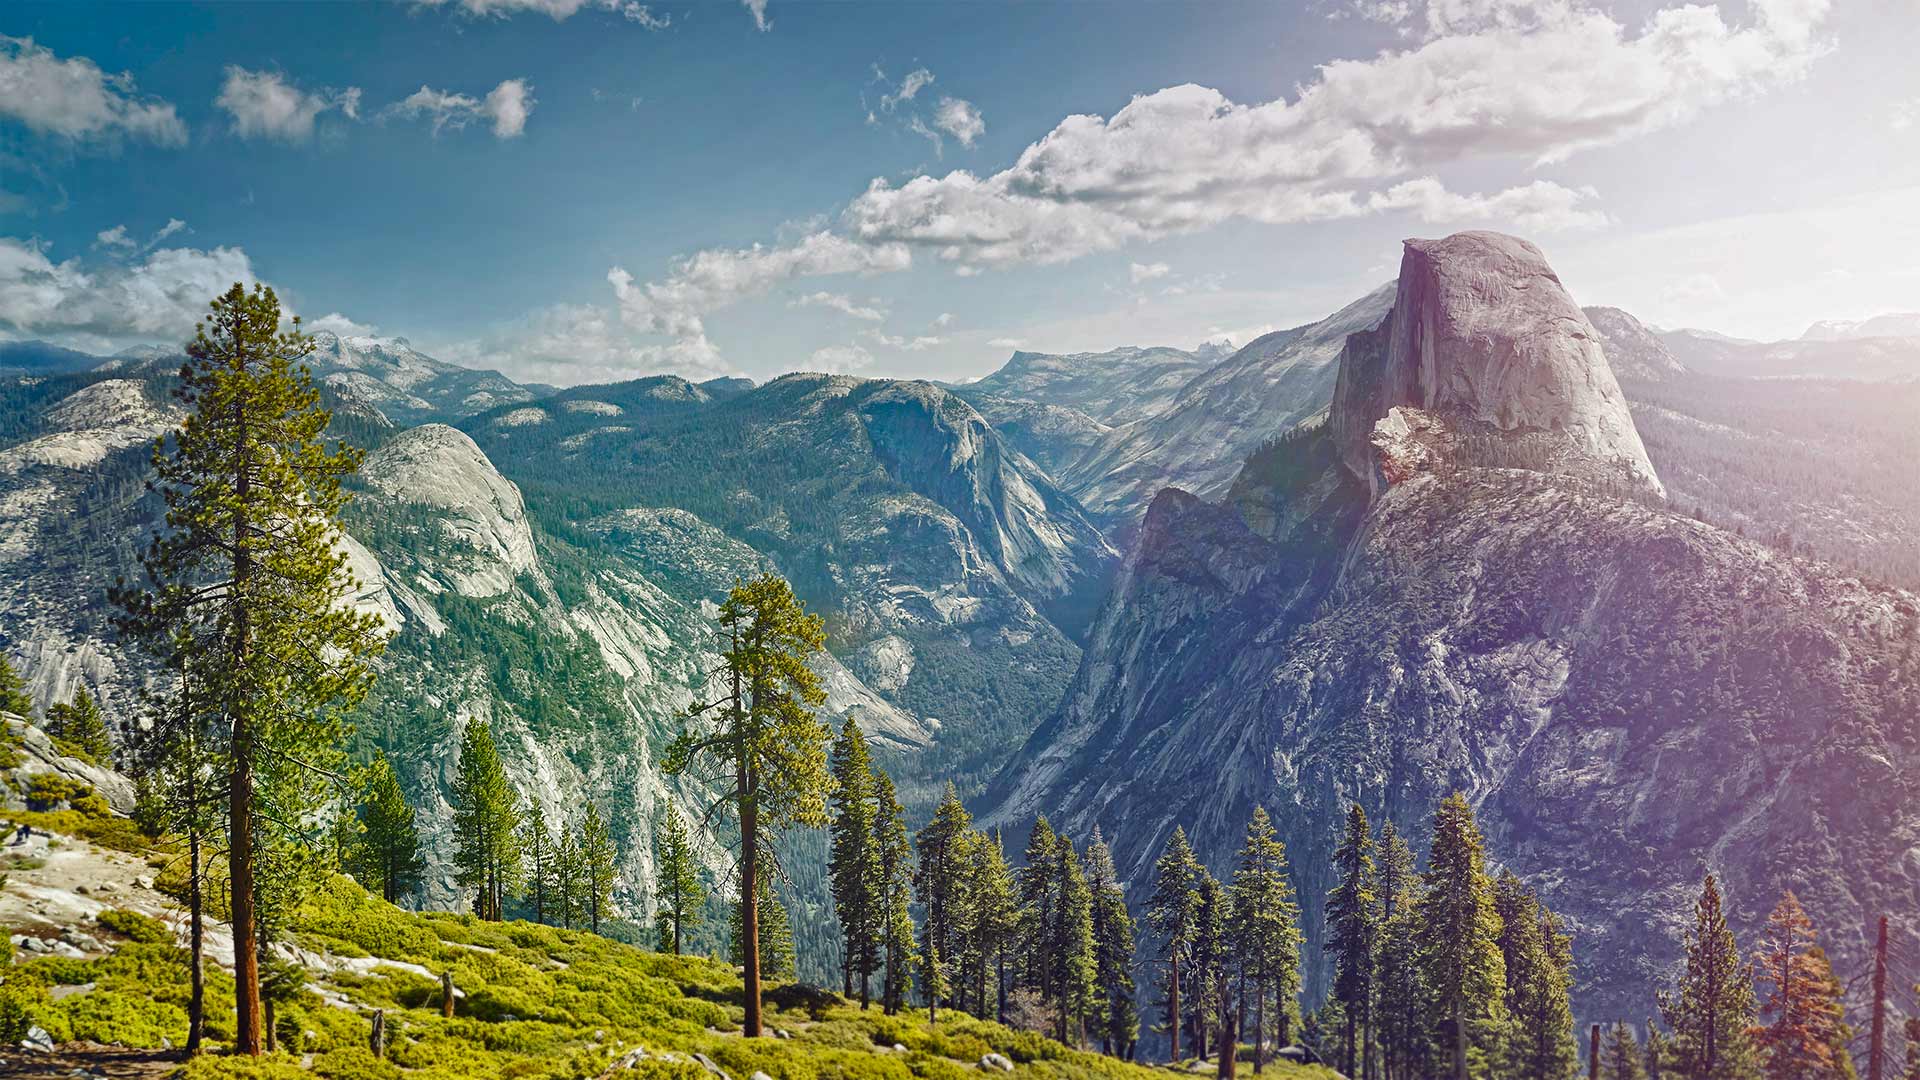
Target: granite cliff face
(1416,599)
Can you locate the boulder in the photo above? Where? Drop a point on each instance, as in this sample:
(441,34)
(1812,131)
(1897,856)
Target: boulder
(999,1062)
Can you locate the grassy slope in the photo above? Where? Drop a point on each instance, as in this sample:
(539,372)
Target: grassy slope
(539,1002)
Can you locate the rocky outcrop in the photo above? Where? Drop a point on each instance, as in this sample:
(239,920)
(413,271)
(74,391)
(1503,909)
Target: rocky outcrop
(1633,351)
(484,518)
(1483,335)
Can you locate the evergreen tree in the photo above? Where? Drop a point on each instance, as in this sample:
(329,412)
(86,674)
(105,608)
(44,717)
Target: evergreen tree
(853,867)
(1538,960)
(765,743)
(1711,1013)
(1656,1054)
(567,892)
(389,855)
(536,850)
(1805,1022)
(1171,911)
(1910,1068)
(1265,929)
(1117,1022)
(1353,932)
(1039,908)
(991,922)
(249,589)
(680,897)
(1620,1057)
(77,728)
(598,862)
(933,979)
(941,877)
(776,934)
(13,692)
(1212,960)
(1403,1039)
(1459,949)
(895,893)
(485,824)
(1072,948)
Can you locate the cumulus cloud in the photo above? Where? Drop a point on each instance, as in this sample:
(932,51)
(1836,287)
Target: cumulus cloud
(1542,206)
(115,238)
(506,108)
(910,344)
(557,10)
(73,99)
(959,119)
(759,10)
(1139,272)
(846,305)
(710,280)
(263,104)
(569,344)
(1904,114)
(160,297)
(335,323)
(910,86)
(840,359)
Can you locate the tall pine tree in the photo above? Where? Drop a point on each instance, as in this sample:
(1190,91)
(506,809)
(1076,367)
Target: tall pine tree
(1353,932)
(992,920)
(1172,911)
(1711,1012)
(1265,930)
(1621,1057)
(1459,949)
(1071,947)
(536,852)
(1404,1042)
(248,593)
(853,868)
(940,879)
(1805,1035)
(486,824)
(1117,1022)
(598,862)
(1538,959)
(679,896)
(763,742)
(389,857)
(895,893)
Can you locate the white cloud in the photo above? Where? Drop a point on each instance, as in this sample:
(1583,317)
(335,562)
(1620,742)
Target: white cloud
(75,100)
(1542,206)
(1188,158)
(506,107)
(335,323)
(172,226)
(114,238)
(263,104)
(569,344)
(846,305)
(945,319)
(1139,272)
(709,280)
(840,359)
(915,81)
(161,297)
(1006,343)
(557,10)
(759,10)
(959,119)
(913,344)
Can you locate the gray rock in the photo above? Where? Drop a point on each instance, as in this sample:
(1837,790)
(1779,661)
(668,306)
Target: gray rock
(996,1063)
(707,1064)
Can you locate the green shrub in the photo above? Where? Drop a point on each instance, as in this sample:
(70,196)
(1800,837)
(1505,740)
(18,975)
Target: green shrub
(134,926)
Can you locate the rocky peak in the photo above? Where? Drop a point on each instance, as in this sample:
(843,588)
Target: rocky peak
(436,466)
(1633,351)
(1484,338)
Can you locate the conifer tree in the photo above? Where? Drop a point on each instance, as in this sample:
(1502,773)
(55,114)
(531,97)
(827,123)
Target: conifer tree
(1402,998)
(77,728)
(1265,928)
(1171,912)
(1711,1012)
(248,594)
(992,920)
(1071,947)
(941,877)
(13,692)
(599,860)
(1039,908)
(895,894)
(933,978)
(1805,1023)
(536,850)
(680,897)
(776,934)
(1459,949)
(764,742)
(1656,1051)
(389,843)
(1621,1057)
(566,894)
(1213,957)
(1538,960)
(1118,1022)
(1353,931)
(485,824)
(853,867)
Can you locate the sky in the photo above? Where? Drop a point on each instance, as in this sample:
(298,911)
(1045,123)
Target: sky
(581,191)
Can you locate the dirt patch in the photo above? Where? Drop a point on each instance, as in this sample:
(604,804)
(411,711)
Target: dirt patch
(105,1062)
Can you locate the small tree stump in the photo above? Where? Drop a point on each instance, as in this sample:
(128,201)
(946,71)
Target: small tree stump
(377,1042)
(446,994)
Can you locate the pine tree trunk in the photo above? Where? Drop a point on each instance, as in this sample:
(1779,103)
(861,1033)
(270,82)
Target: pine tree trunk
(1459,1044)
(1173,1007)
(246,964)
(750,910)
(196,945)
(1260,1026)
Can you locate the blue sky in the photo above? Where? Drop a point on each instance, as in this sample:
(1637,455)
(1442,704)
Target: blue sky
(571,191)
